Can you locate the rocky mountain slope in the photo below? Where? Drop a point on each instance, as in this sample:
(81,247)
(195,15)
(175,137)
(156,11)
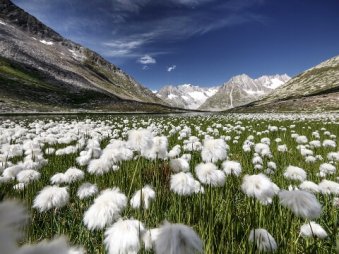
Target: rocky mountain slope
(315,89)
(40,70)
(242,89)
(186,95)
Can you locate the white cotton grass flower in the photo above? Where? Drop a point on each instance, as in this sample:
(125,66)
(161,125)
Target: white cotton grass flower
(313,229)
(262,149)
(209,174)
(310,159)
(74,174)
(158,150)
(335,202)
(257,160)
(105,209)
(99,166)
(278,140)
(66,150)
(315,144)
(246,148)
(327,169)
(174,152)
(87,190)
(329,143)
(282,148)
(295,173)
(263,240)
(184,184)
(214,150)
(85,157)
(177,239)
(51,197)
(150,237)
(265,141)
(140,140)
(272,165)
(306,152)
(328,187)
(232,168)
(302,203)
(178,165)
(12,217)
(309,186)
(301,139)
(258,167)
(186,157)
(333,156)
(58,178)
(145,195)
(28,175)
(76,250)
(123,237)
(12,171)
(260,187)
(56,246)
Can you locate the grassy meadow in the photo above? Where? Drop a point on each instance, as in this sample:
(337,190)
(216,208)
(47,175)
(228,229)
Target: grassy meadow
(222,216)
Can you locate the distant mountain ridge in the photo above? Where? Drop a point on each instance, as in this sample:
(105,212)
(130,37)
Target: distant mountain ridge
(242,89)
(41,70)
(186,96)
(316,89)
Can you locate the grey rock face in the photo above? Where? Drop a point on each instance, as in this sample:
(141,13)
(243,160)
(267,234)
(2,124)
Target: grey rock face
(242,89)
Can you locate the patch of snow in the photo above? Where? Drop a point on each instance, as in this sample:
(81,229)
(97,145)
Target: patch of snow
(254,92)
(185,98)
(154,91)
(76,55)
(212,91)
(2,23)
(46,42)
(275,83)
(198,96)
(171,96)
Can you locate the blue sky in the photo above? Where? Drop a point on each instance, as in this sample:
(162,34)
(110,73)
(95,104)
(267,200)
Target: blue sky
(203,42)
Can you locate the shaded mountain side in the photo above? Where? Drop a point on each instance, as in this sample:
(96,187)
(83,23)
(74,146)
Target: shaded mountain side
(23,88)
(37,64)
(314,89)
(321,78)
(313,103)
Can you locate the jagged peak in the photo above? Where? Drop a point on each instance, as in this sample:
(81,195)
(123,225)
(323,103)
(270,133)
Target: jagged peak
(26,22)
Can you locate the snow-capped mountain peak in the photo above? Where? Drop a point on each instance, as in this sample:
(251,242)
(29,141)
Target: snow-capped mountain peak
(186,95)
(242,89)
(238,90)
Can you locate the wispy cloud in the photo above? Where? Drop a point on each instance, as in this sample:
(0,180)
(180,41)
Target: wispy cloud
(171,68)
(122,47)
(146,59)
(130,28)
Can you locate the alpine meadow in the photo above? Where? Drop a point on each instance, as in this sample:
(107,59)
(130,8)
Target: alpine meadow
(234,183)
(169,127)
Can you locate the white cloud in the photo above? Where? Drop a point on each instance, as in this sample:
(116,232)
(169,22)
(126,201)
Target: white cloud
(145,67)
(122,47)
(146,59)
(171,68)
